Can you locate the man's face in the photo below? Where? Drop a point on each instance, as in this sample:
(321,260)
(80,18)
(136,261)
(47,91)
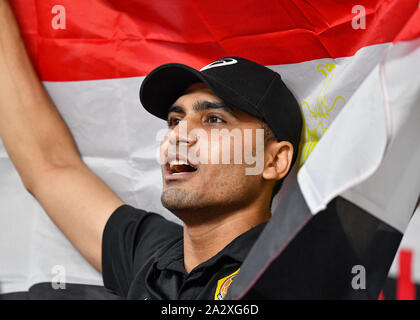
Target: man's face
(196,177)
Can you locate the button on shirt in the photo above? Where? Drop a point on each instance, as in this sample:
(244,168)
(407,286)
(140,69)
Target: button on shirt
(143,258)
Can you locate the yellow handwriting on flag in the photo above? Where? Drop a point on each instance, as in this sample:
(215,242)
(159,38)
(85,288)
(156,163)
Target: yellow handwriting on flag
(315,122)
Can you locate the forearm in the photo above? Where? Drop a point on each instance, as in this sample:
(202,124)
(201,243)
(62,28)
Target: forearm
(35,136)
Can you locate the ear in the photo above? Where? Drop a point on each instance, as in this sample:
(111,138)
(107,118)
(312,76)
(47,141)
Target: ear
(278,160)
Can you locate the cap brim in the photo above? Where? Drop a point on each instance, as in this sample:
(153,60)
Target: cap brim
(165,84)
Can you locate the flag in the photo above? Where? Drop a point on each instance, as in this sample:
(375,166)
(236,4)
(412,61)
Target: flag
(351,67)
(360,187)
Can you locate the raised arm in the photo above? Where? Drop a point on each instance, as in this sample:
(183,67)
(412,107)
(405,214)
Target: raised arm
(43,150)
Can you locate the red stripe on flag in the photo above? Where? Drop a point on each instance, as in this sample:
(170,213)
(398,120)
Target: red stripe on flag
(411,30)
(406,289)
(112,39)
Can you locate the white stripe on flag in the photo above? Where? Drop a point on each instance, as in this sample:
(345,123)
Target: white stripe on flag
(370,155)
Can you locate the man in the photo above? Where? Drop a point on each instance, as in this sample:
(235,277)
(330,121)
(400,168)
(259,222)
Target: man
(141,255)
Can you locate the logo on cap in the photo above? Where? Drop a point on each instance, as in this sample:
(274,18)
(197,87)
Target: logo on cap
(220,63)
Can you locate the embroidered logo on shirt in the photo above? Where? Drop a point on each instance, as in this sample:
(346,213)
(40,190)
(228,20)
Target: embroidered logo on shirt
(223,286)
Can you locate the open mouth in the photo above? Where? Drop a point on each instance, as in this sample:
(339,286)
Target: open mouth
(179,166)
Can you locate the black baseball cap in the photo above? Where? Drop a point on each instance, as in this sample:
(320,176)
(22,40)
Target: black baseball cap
(239,82)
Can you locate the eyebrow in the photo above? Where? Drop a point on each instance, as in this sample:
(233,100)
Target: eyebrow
(203,105)
(177,109)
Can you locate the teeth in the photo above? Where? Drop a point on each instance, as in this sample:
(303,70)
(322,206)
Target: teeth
(178,162)
(179,166)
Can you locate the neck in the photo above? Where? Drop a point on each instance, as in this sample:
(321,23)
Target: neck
(203,240)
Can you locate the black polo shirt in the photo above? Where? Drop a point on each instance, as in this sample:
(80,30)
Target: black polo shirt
(143,258)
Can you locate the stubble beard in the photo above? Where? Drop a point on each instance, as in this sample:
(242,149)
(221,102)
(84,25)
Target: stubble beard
(190,207)
(195,207)
(175,200)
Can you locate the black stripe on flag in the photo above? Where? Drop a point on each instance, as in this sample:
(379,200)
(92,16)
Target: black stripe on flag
(342,252)
(72,291)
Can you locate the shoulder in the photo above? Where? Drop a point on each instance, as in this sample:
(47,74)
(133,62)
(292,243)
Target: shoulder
(137,224)
(131,237)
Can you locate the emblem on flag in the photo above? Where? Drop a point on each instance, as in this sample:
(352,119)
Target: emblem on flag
(315,122)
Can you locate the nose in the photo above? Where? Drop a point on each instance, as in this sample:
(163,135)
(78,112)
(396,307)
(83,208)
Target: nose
(182,135)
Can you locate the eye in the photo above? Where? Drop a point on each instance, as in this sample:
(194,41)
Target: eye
(173,121)
(215,119)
